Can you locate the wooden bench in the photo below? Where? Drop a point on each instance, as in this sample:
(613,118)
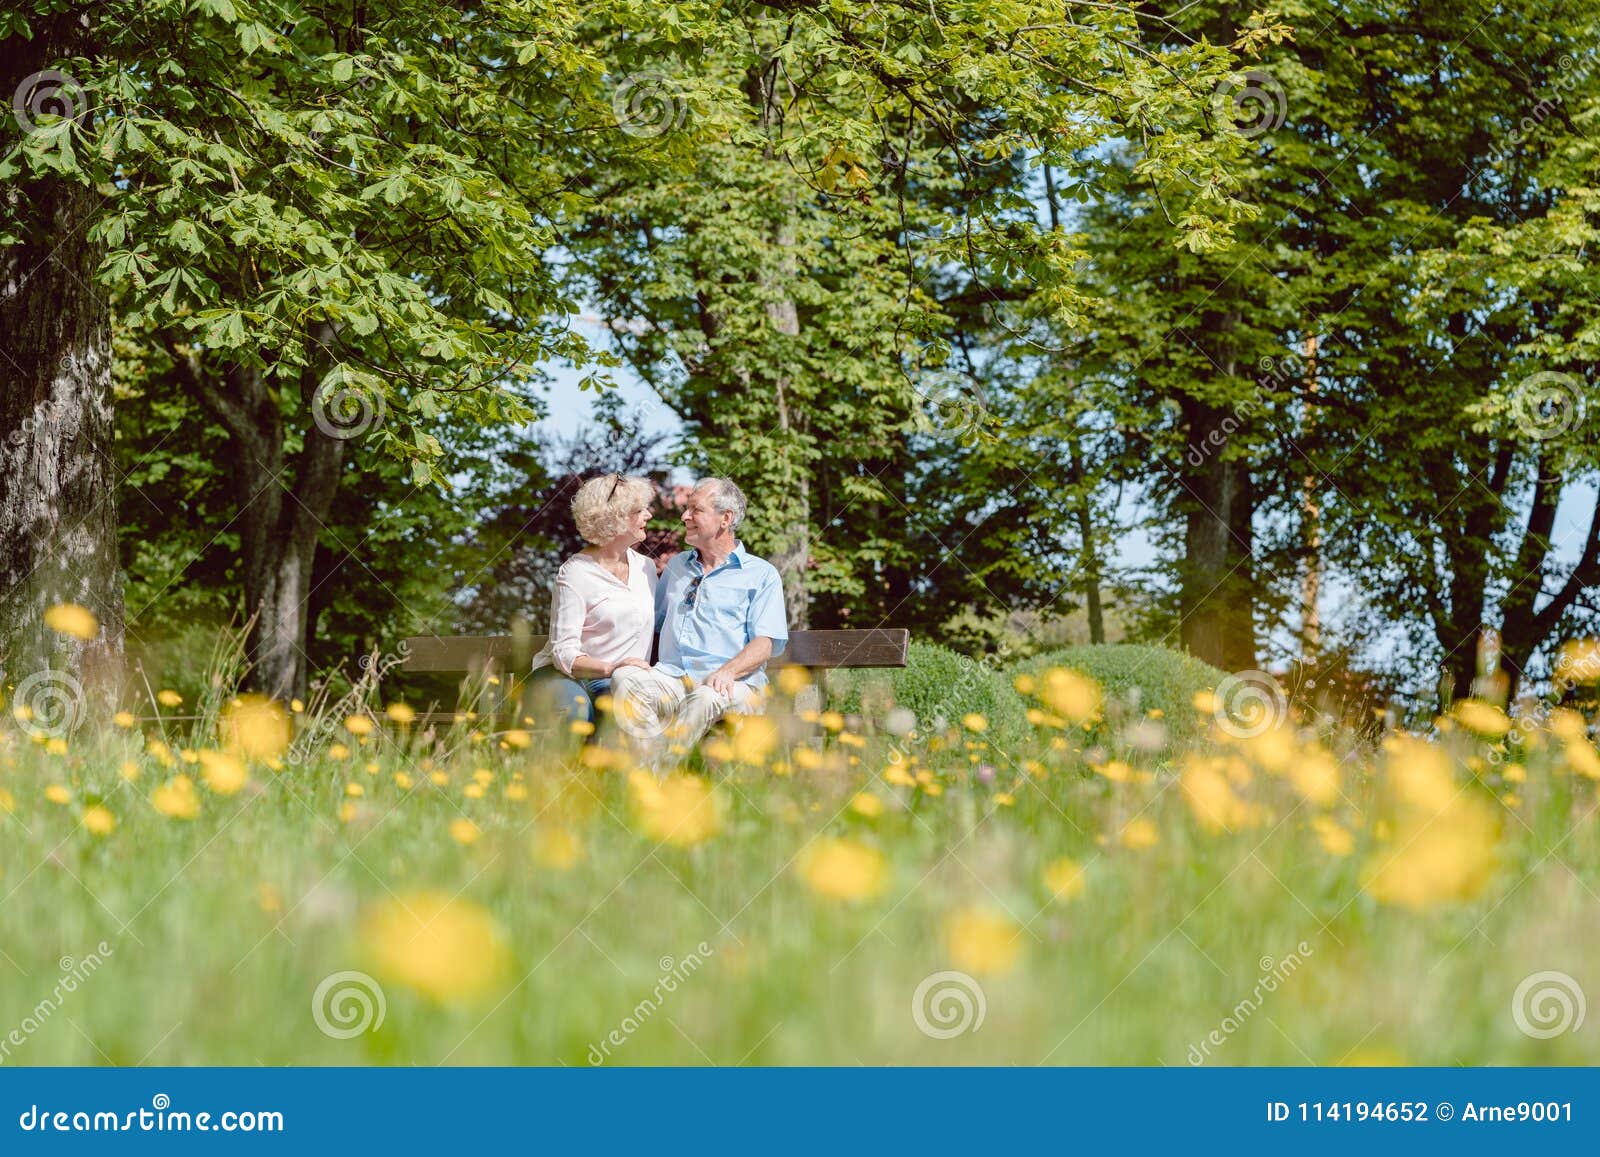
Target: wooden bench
(488,656)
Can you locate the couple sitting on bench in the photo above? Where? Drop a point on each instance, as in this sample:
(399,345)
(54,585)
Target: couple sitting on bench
(718,610)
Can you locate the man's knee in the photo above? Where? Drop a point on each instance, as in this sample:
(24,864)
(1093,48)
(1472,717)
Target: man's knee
(705,698)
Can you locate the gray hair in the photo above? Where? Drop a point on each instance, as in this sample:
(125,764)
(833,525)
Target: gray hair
(726,498)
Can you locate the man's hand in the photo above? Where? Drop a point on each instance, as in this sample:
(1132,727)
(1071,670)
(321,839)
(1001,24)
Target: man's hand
(721,681)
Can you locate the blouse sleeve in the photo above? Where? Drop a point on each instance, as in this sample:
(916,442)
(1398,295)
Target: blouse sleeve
(567,613)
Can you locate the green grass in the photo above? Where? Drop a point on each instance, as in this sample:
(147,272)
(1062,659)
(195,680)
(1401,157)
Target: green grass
(1160,947)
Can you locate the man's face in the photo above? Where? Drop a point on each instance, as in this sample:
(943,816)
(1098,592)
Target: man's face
(701,522)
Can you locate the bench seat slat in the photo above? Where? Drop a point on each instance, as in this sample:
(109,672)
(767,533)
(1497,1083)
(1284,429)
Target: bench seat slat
(879,647)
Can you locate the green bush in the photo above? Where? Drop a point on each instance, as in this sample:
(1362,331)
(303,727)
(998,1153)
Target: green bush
(935,684)
(1140,676)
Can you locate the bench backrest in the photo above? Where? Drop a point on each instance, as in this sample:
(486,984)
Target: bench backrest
(879,647)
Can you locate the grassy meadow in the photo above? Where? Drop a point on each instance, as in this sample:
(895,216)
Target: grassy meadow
(1093,879)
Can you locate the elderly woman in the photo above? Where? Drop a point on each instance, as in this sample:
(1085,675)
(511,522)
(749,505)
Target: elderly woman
(602,609)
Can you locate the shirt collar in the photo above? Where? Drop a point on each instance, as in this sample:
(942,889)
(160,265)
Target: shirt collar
(735,556)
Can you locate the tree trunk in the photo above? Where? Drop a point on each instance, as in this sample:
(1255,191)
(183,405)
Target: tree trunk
(791,550)
(1090,552)
(1481,517)
(1311,530)
(58,514)
(1216,579)
(282,509)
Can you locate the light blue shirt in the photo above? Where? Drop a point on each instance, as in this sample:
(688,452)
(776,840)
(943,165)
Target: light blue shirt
(740,601)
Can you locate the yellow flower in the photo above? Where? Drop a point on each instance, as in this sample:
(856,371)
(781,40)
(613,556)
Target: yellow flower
(255,727)
(518,739)
(1483,718)
(1206,702)
(359,725)
(169,698)
(1568,724)
(867,804)
(439,778)
(401,713)
(973,721)
(1335,840)
(71,619)
(98,820)
(463,831)
(843,869)
(1064,878)
(1515,773)
(8,802)
(1272,750)
(177,798)
(473,791)
(754,738)
(1213,801)
(338,751)
(516,792)
(222,773)
(681,810)
(982,941)
(793,680)
(1075,697)
(1444,838)
(402,781)
(55,793)
(1315,775)
(444,948)
(55,745)
(557,848)
(1139,833)
(833,721)
(1024,684)
(129,770)
(896,774)
(354,790)
(1115,770)
(1582,758)
(124,719)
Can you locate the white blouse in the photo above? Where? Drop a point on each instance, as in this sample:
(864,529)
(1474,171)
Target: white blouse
(594,613)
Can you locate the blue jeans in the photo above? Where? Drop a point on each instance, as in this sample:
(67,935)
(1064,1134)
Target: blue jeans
(570,700)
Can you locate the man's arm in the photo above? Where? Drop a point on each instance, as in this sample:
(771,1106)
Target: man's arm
(754,653)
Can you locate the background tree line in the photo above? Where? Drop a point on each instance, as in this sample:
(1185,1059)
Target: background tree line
(967,298)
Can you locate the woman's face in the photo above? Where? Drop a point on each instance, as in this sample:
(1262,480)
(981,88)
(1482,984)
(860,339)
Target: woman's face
(636,528)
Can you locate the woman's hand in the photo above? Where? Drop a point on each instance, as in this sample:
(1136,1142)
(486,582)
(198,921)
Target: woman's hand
(629,662)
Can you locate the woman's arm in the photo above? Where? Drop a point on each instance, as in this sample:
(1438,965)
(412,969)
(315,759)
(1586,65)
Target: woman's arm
(567,613)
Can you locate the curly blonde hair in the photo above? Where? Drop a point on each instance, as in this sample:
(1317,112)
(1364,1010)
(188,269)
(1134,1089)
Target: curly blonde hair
(604,506)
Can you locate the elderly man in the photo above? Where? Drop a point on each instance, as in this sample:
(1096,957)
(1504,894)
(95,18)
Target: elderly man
(719,610)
